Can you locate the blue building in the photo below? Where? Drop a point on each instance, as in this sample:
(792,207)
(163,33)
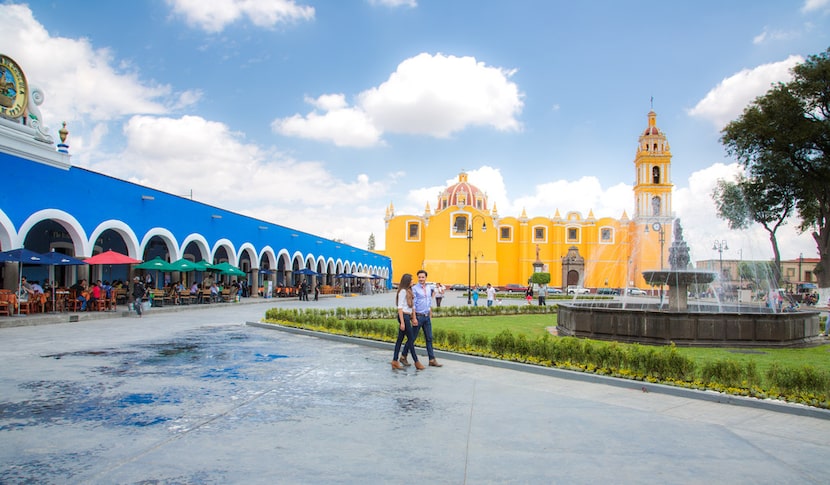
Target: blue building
(46,205)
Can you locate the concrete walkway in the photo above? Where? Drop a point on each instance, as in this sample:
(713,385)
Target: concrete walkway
(197,396)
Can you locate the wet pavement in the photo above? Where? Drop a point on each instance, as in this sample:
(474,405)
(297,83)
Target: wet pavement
(200,397)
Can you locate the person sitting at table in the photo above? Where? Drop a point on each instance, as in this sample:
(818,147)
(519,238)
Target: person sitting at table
(80,291)
(106,289)
(95,292)
(36,288)
(214,292)
(194,292)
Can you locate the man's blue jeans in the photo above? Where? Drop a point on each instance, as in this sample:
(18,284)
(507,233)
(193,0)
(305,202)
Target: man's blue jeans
(425,322)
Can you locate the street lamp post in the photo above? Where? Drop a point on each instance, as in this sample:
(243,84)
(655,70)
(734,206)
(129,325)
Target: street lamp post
(720,247)
(475,261)
(662,232)
(470,254)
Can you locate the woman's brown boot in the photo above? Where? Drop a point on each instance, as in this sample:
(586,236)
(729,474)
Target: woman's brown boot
(397,365)
(419,366)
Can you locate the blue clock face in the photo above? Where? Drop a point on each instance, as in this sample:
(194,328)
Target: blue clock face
(656,226)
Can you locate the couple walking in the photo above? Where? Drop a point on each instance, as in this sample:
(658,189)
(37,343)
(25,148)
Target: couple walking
(414,312)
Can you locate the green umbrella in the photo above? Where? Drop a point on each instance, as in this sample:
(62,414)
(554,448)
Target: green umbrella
(184,265)
(156,264)
(203,265)
(227,269)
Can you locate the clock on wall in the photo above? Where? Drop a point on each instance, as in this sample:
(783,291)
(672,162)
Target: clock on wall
(13,89)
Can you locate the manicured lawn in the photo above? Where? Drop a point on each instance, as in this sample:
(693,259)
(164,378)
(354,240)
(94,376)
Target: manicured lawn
(534,326)
(530,325)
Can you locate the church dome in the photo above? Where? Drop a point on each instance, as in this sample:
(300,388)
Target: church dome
(462,194)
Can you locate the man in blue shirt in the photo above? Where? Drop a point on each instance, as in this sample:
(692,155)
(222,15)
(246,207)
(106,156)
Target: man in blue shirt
(423,312)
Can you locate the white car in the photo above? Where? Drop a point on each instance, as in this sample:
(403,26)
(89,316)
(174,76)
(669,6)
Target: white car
(636,292)
(578,290)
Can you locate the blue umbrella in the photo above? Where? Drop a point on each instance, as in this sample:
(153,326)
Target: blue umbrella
(21,256)
(307,272)
(58,259)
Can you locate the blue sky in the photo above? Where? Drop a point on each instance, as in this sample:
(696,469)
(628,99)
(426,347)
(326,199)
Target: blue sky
(318,114)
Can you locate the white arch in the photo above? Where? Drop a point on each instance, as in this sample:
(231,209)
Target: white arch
(166,236)
(123,230)
(8,234)
(201,243)
(295,257)
(72,226)
(228,245)
(251,252)
(267,253)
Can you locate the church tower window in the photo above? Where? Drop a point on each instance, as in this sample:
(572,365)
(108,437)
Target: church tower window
(655,175)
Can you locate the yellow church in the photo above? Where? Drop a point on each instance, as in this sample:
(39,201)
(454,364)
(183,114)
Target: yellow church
(465,239)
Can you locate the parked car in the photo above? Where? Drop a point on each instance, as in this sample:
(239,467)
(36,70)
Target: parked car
(512,288)
(458,287)
(555,291)
(577,290)
(636,292)
(608,291)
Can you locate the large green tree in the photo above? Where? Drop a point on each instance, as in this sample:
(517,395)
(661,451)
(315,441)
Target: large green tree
(783,140)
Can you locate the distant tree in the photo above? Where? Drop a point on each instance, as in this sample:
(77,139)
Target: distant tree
(371,245)
(783,139)
(540,278)
(761,274)
(745,201)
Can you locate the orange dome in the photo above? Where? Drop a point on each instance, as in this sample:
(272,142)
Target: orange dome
(462,194)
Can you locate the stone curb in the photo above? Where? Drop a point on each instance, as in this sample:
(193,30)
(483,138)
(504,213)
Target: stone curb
(711,396)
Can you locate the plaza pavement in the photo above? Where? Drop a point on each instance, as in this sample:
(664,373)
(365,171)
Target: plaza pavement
(198,395)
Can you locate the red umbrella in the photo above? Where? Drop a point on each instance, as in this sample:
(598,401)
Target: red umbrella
(111,257)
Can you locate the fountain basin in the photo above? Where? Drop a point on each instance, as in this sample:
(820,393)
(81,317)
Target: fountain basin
(731,327)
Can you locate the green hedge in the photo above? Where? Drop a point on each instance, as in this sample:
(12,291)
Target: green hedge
(665,364)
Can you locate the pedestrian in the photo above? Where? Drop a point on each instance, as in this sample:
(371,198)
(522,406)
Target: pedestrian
(491,294)
(317,292)
(529,294)
(543,293)
(439,294)
(475,297)
(138,294)
(404,299)
(422,295)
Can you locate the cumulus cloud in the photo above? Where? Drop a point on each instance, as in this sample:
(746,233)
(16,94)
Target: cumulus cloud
(178,155)
(214,15)
(432,95)
(81,85)
(338,124)
(727,100)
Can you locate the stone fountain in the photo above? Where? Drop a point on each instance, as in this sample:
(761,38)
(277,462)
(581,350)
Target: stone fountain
(709,324)
(679,276)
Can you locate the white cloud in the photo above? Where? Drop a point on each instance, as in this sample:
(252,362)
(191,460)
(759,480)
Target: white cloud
(214,15)
(728,99)
(813,5)
(339,124)
(427,95)
(178,155)
(395,3)
(81,85)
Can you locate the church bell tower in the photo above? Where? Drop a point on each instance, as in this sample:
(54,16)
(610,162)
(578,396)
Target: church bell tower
(653,187)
